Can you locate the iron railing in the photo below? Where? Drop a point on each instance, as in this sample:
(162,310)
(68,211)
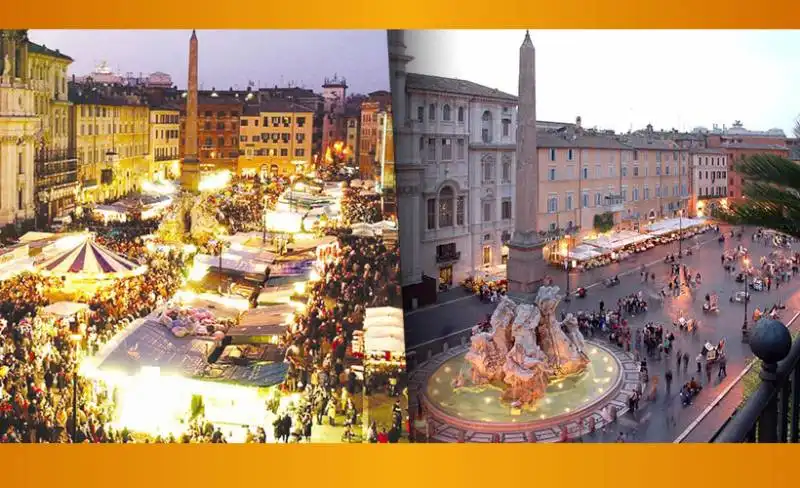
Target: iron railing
(771,413)
(419,353)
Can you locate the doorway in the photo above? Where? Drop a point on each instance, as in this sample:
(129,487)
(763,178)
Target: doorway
(446,275)
(487,255)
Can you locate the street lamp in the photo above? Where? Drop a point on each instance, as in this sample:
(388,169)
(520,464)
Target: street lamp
(746,263)
(76,339)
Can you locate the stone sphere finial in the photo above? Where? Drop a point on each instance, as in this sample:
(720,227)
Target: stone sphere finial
(770,341)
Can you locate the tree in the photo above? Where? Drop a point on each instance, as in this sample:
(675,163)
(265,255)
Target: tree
(771,190)
(604,222)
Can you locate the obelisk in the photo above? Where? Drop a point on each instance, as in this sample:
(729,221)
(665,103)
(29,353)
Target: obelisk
(190,166)
(526,265)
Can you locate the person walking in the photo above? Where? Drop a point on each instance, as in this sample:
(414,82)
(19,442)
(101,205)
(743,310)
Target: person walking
(668,380)
(685,362)
(678,358)
(722,366)
(699,361)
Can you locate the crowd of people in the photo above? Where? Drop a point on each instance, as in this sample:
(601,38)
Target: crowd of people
(361,206)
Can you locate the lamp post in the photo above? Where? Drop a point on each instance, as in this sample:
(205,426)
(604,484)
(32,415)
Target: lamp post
(746,263)
(567,262)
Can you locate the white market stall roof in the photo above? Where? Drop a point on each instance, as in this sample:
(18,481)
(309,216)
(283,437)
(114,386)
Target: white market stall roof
(584,252)
(64,309)
(383,330)
(36,236)
(617,240)
(232,262)
(675,224)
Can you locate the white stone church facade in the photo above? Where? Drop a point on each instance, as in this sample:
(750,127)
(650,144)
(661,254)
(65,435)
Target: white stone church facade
(456,168)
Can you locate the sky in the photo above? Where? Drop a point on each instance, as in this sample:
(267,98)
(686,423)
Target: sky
(626,79)
(231,58)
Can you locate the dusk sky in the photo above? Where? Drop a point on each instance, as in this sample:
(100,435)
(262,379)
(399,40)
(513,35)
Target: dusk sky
(230,58)
(623,79)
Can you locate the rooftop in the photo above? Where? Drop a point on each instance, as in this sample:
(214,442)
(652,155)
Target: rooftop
(416,81)
(575,140)
(42,49)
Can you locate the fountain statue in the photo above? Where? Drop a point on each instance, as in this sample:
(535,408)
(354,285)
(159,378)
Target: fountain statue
(527,348)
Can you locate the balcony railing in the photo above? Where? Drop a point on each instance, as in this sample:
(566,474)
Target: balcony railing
(52,169)
(167,157)
(772,412)
(54,156)
(448,257)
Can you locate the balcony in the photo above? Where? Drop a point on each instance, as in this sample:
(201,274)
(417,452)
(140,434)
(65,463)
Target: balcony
(772,413)
(448,257)
(54,156)
(613,203)
(166,157)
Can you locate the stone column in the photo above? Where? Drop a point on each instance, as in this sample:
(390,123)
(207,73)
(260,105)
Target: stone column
(526,266)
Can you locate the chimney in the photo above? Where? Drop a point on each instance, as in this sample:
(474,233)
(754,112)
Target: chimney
(578,123)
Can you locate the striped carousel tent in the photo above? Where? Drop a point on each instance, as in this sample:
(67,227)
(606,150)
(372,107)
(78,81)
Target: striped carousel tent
(89,259)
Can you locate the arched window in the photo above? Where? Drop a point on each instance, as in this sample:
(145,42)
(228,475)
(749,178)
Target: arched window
(486,127)
(432,112)
(461,114)
(446,113)
(446,198)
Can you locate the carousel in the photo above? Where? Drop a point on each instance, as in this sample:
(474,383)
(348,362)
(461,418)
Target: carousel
(87,267)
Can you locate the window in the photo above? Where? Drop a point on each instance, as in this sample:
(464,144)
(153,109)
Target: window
(585,172)
(506,170)
(432,112)
(624,171)
(421,145)
(220,125)
(461,114)
(487,211)
(19,200)
(460,149)
(20,164)
(446,207)
(635,171)
(568,205)
(505,209)
(486,127)
(585,199)
(666,169)
(206,126)
(506,127)
(551,174)
(658,191)
(447,150)
(598,199)
(420,114)
(431,149)
(446,113)
(624,193)
(209,142)
(658,156)
(635,194)
(552,154)
(220,141)
(275,121)
(488,171)
(243,138)
(598,172)
(460,211)
(658,170)
(646,192)
(552,204)
(431,213)
(208,113)
(569,155)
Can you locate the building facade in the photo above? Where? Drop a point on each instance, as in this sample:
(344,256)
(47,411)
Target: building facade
(112,142)
(465,141)
(19,126)
(165,137)
(55,162)
(217,130)
(709,180)
(334,96)
(739,143)
(275,137)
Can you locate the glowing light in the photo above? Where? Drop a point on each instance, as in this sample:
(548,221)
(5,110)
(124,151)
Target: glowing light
(605,359)
(314,276)
(198,271)
(561,386)
(567,409)
(487,400)
(448,369)
(300,287)
(548,401)
(600,390)
(215,181)
(189,249)
(609,369)
(291,223)
(594,350)
(542,416)
(435,392)
(159,188)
